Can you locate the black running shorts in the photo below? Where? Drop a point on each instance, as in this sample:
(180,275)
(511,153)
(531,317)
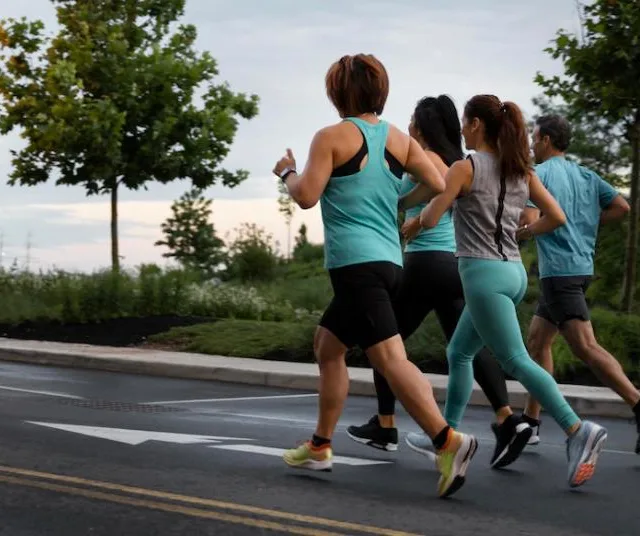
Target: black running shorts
(563,299)
(361,311)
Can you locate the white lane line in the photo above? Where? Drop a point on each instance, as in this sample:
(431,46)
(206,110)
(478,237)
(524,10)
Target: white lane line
(236,399)
(270,451)
(33,392)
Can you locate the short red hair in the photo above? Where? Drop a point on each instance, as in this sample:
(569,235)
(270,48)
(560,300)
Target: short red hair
(357,85)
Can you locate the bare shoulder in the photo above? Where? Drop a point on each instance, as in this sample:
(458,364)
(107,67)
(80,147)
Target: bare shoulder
(328,136)
(398,143)
(462,167)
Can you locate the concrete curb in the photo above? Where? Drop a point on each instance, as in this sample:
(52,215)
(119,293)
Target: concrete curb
(587,401)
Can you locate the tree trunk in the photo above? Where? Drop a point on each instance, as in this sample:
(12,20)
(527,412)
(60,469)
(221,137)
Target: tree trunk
(628,290)
(115,254)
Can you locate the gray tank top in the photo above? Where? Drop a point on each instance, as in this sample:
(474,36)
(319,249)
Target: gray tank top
(486,218)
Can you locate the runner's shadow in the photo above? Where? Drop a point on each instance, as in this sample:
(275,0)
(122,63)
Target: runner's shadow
(310,477)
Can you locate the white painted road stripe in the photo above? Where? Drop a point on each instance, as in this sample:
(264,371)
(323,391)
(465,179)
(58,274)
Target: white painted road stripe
(270,451)
(46,393)
(237,399)
(137,437)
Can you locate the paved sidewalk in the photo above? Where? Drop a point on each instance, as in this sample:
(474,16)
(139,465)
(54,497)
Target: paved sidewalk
(594,401)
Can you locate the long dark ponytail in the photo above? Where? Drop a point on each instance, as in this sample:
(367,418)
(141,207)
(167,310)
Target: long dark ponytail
(438,123)
(505,131)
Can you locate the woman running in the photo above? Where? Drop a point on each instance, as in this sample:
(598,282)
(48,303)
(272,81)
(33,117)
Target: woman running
(490,190)
(431,283)
(355,169)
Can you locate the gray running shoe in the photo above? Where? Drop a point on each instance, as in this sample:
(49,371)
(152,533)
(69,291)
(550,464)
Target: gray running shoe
(583,448)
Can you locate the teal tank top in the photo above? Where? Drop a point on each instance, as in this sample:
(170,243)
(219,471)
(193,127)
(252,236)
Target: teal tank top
(440,238)
(360,211)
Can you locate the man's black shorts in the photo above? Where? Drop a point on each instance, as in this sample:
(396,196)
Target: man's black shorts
(563,299)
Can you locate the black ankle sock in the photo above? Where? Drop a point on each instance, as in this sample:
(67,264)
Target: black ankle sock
(318,441)
(441,439)
(530,420)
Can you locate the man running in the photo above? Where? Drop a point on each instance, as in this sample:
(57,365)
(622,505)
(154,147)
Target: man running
(565,260)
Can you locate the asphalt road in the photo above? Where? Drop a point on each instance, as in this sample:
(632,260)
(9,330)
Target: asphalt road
(93,453)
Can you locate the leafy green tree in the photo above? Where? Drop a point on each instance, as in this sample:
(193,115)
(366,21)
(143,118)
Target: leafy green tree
(252,254)
(117,99)
(601,73)
(190,236)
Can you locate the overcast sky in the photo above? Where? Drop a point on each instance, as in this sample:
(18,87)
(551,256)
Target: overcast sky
(280,50)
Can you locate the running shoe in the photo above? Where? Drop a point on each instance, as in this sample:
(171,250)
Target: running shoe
(420,442)
(535,435)
(306,456)
(453,461)
(583,448)
(374,435)
(511,439)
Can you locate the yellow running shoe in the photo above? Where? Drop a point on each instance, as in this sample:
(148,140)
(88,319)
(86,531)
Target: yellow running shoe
(452,462)
(306,456)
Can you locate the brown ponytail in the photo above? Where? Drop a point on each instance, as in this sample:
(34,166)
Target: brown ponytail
(505,131)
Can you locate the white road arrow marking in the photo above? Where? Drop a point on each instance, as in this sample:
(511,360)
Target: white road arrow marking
(269,451)
(137,437)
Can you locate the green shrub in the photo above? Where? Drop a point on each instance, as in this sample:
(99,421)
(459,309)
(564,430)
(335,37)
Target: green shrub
(252,255)
(286,341)
(147,291)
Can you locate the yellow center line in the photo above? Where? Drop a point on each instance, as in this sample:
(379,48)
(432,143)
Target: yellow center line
(167,507)
(299,518)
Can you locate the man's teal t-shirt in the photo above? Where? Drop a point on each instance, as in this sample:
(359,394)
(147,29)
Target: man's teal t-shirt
(583,195)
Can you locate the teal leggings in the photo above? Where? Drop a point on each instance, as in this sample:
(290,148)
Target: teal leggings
(492,289)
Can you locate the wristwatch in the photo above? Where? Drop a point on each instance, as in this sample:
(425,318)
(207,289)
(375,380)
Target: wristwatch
(528,234)
(285,173)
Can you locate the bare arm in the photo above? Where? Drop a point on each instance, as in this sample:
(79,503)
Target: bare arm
(307,188)
(552,214)
(529,215)
(616,211)
(423,169)
(419,194)
(459,175)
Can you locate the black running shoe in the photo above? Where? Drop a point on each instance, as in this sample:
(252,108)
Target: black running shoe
(374,435)
(535,426)
(511,438)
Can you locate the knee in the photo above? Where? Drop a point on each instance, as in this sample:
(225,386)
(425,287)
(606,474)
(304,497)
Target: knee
(586,349)
(387,354)
(327,349)
(456,358)
(516,365)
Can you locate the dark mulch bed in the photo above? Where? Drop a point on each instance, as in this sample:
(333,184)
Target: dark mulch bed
(114,332)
